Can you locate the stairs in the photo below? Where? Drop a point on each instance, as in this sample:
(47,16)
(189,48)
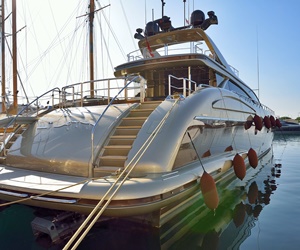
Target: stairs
(119,144)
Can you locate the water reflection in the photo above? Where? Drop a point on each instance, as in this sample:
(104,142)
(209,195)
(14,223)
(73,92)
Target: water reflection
(241,203)
(197,227)
(231,223)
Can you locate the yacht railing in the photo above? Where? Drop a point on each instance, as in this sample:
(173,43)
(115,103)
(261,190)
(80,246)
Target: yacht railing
(131,79)
(165,50)
(250,100)
(235,71)
(28,106)
(104,89)
(184,87)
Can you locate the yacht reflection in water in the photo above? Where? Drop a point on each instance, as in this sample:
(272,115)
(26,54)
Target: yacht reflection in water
(231,223)
(196,226)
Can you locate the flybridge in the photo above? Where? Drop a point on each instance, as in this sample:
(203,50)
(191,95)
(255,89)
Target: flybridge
(164,24)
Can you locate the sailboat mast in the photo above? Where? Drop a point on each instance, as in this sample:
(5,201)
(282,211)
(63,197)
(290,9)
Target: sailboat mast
(91,46)
(14,54)
(3,54)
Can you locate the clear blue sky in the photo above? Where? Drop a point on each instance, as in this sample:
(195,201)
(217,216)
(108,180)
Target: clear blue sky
(264,31)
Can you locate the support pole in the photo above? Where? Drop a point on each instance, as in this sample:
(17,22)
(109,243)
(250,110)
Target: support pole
(14,54)
(3,56)
(91,46)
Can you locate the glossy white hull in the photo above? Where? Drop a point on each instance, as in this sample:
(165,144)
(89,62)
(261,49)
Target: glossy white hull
(43,174)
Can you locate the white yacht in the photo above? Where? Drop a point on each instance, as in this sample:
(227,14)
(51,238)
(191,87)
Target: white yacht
(137,150)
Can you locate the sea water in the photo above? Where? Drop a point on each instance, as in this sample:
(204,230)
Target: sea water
(262,212)
(278,225)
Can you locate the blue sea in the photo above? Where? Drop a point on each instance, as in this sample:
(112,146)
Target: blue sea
(262,212)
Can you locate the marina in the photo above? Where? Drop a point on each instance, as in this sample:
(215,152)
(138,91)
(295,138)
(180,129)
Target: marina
(175,147)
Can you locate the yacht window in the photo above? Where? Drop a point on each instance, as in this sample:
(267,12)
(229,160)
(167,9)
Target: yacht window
(231,86)
(247,92)
(252,95)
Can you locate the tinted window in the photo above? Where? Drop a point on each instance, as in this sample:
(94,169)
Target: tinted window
(231,86)
(252,95)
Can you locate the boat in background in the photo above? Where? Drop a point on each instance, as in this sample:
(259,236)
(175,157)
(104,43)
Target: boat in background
(288,128)
(139,144)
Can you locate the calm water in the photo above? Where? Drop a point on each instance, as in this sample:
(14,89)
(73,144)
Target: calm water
(262,212)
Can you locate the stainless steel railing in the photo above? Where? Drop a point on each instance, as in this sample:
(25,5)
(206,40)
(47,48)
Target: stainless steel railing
(103,90)
(184,87)
(26,107)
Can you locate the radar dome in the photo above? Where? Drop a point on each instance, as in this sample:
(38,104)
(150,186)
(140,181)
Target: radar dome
(197,18)
(151,29)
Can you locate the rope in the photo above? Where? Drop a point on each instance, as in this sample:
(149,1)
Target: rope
(140,152)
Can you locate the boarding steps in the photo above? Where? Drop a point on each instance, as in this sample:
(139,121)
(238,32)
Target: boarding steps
(115,153)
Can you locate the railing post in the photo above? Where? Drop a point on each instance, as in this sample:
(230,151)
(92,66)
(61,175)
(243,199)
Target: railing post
(190,79)
(61,98)
(126,90)
(108,91)
(81,99)
(142,90)
(53,98)
(192,48)
(169,81)
(166,49)
(184,87)
(37,107)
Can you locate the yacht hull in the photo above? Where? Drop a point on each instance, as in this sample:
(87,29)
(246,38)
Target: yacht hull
(167,172)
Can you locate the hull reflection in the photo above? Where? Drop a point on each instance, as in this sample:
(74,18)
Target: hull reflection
(196,226)
(230,224)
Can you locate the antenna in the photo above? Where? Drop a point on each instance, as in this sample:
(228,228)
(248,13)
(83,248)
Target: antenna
(162,7)
(145,11)
(257,58)
(184,1)
(152,14)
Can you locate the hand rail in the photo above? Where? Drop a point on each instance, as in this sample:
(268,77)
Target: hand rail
(26,107)
(164,50)
(183,85)
(110,87)
(106,108)
(80,93)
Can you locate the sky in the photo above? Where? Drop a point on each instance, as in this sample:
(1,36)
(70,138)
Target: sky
(258,38)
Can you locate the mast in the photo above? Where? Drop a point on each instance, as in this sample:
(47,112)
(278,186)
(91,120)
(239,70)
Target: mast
(14,54)
(91,46)
(3,55)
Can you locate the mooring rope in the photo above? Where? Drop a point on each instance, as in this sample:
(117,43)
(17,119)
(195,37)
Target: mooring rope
(136,158)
